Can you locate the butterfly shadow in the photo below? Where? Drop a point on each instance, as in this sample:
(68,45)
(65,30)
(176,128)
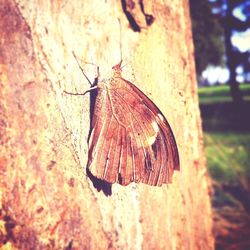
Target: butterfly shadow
(99,184)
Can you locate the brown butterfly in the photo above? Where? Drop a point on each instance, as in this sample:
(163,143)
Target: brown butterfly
(130,140)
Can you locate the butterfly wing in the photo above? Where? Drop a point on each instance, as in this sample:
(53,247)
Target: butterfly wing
(163,144)
(130,140)
(110,144)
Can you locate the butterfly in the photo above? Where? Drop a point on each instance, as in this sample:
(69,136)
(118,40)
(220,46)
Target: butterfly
(129,140)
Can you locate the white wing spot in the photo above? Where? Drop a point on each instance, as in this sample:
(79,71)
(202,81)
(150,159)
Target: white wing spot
(151,139)
(161,117)
(155,126)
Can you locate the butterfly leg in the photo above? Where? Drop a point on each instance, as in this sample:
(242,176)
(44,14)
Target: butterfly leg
(84,93)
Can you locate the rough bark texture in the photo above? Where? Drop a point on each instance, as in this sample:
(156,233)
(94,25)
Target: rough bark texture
(47,200)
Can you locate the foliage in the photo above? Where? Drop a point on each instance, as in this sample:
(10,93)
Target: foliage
(207,35)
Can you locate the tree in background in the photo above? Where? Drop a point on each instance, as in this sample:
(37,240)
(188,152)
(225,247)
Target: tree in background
(207,35)
(221,14)
(224,10)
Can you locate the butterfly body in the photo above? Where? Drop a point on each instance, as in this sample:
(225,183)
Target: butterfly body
(130,140)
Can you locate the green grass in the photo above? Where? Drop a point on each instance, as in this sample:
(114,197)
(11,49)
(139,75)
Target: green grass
(228,155)
(227,147)
(227,134)
(221,94)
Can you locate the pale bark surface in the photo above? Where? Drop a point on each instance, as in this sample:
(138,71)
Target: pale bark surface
(47,200)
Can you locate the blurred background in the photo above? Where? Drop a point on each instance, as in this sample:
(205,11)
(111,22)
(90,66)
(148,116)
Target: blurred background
(221,32)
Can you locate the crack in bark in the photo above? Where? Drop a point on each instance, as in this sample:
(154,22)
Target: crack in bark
(149,18)
(128,5)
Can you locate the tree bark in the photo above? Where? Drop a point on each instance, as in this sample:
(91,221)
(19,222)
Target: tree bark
(47,199)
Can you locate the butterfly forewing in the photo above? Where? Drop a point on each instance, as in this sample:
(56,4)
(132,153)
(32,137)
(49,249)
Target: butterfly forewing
(130,140)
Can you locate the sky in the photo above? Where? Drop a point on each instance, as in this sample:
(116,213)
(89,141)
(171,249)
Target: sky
(242,40)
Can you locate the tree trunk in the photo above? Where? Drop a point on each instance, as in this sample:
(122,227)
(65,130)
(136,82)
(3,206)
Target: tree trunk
(47,199)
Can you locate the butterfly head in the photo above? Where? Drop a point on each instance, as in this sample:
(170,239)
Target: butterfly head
(117,69)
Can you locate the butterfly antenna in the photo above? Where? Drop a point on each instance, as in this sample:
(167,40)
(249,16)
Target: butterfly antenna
(123,66)
(120,28)
(81,69)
